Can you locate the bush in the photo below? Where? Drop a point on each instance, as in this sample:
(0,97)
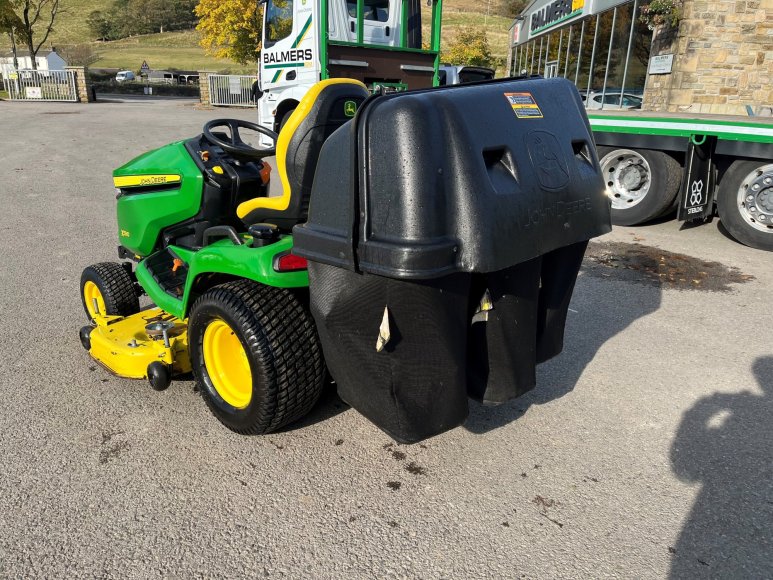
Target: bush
(470,47)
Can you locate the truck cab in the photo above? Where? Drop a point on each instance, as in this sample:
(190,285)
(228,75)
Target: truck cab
(375,41)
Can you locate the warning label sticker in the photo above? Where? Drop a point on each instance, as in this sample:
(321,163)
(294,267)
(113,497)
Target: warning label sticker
(524,106)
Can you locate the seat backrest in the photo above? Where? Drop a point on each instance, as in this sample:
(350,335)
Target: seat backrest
(328,105)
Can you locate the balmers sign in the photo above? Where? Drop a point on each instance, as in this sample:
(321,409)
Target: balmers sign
(286,57)
(553,13)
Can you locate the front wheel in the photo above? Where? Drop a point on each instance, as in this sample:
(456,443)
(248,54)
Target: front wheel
(108,289)
(642,184)
(745,203)
(256,356)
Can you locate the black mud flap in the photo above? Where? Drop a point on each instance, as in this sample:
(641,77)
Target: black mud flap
(699,182)
(445,233)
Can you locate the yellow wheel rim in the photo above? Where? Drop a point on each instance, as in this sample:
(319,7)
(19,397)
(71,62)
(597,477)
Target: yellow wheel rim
(227,364)
(90,293)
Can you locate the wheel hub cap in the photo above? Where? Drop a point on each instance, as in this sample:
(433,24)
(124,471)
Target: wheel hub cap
(227,364)
(628,177)
(755,198)
(632,177)
(91,293)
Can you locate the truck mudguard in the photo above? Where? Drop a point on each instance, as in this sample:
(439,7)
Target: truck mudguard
(445,233)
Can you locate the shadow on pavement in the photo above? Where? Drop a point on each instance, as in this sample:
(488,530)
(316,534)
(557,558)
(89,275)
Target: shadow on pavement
(725,443)
(328,406)
(599,311)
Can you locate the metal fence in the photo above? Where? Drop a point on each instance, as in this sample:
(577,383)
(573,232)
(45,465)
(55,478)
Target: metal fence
(231,90)
(41,85)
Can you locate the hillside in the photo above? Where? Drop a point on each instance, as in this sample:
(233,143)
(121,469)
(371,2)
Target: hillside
(181,50)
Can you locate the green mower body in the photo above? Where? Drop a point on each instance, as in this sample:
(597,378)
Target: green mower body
(169,203)
(422,252)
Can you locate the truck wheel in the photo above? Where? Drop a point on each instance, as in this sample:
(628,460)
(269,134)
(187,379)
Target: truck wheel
(642,184)
(113,289)
(285,118)
(255,356)
(745,203)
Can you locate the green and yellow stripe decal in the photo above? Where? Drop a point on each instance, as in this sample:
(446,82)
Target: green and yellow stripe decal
(298,40)
(302,36)
(144,180)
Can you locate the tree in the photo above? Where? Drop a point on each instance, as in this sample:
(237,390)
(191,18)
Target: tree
(10,23)
(470,47)
(230,29)
(512,8)
(79,55)
(100,24)
(37,19)
(8,18)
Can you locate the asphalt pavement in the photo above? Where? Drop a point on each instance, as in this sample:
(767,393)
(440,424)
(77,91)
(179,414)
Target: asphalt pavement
(643,452)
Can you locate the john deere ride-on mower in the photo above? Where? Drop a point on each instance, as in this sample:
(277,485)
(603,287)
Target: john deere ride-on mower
(424,250)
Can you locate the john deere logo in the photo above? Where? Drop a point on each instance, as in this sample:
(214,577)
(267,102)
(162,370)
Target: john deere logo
(350,108)
(125,234)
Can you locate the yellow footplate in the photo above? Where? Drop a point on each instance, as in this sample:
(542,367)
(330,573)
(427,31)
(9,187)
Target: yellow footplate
(127,346)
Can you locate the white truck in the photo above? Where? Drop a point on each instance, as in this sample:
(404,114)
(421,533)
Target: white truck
(378,42)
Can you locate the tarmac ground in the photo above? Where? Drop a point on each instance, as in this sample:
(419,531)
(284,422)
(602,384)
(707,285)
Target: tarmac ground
(643,452)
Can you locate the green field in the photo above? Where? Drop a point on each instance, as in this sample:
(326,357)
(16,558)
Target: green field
(170,50)
(181,50)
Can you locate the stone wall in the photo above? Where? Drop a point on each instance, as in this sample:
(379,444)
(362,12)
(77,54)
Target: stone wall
(723,59)
(204,86)
(82,84)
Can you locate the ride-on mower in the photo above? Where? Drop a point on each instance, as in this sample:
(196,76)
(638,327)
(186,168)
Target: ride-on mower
(424,250)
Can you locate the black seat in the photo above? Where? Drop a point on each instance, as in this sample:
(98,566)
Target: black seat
(328,105)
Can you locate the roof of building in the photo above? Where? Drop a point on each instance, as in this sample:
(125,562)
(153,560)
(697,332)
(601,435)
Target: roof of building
(23,53)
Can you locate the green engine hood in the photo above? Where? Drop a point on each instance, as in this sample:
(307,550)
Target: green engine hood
(156,190)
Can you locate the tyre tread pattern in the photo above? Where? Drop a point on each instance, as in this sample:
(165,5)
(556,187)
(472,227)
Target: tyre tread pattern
(729,210)
(664,189)
(281,335)
(116,285)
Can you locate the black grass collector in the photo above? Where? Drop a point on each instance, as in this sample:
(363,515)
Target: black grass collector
(445,233)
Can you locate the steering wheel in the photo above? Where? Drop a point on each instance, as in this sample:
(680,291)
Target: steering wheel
(236,146)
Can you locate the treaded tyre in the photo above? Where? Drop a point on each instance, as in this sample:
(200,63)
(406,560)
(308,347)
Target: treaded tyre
(255,355)
(113,288)
(643,184)
(285,118)
(745,203)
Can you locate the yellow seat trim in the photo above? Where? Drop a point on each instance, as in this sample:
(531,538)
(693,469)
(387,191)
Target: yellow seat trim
(282,202)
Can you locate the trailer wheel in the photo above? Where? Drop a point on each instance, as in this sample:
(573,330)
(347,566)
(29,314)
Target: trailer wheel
(111,286)
(642,184)
(255,355)
(745,203)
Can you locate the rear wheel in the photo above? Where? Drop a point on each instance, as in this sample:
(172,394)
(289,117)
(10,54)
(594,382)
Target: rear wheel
(745,203)
(255,355)
(642,184)
(109,288)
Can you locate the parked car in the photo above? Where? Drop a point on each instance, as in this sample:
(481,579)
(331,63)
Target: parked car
(124,75)
(454,75)
(611,100)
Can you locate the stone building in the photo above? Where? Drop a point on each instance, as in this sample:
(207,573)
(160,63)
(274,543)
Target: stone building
(716,58)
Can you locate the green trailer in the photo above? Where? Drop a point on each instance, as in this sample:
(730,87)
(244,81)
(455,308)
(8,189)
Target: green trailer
(698,165)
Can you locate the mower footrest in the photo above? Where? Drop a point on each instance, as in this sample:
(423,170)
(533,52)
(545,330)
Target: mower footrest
(169,272)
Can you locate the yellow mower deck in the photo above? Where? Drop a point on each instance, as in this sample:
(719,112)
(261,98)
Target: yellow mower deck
(121,344)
